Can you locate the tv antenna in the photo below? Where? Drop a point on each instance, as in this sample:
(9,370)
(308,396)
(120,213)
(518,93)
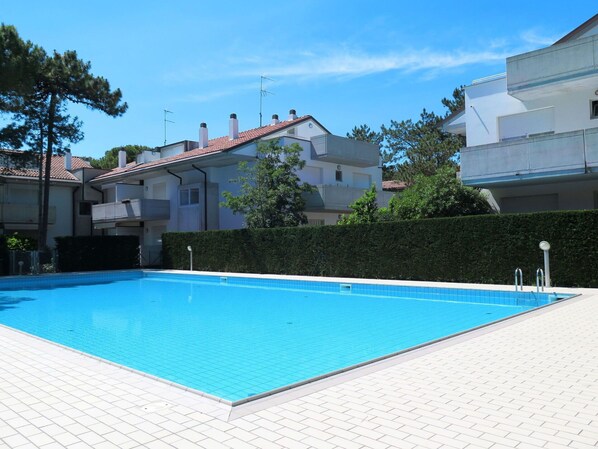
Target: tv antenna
(263,93)
(166,111)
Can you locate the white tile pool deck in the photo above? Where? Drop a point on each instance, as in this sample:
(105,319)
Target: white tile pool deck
(528,383)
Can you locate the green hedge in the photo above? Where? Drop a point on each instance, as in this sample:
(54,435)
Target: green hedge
(479,249)
(95,253)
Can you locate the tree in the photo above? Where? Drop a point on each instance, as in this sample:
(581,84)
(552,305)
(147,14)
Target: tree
(365,134)
(456,103)
(421,147)
(439,195)
(110,158)
(365,209)
(39,108)
(19,61)
(271,192)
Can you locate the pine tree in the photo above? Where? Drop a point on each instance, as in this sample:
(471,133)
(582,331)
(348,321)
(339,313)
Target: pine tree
(271,191)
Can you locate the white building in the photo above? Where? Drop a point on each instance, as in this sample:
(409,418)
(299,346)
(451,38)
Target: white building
(70,198)
(532,133)
(179,186)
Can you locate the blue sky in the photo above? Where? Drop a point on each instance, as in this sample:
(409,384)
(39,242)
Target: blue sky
(344,62)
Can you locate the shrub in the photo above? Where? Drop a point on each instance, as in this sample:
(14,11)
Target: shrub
(17,242)
(95,253)
(479,249)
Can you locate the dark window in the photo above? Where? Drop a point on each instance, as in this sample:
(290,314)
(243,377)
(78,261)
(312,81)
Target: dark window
(85,208)
(339,176)
(594,109)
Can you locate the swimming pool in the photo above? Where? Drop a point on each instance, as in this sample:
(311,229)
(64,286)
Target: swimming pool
(236,337)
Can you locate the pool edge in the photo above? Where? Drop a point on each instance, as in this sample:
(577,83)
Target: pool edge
(229,410)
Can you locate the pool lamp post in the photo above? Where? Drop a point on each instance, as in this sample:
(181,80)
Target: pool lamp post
(190,257)
(545,246)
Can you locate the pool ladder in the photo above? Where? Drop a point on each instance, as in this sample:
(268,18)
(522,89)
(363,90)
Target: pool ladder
(518,279)
(540,280)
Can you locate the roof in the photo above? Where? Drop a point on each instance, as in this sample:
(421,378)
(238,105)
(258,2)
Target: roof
(57,172)
(217,145)
(580,30)
(450,117)
(393,186)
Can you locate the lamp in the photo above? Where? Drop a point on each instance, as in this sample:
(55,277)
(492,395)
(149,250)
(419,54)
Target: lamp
(190,257)
(545,246)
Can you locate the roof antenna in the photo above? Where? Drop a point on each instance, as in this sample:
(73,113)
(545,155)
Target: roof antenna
(263,93)
(166,111)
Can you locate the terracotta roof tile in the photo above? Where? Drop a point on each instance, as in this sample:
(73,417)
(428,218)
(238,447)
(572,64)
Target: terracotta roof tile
(394,186)
(217,145)
(57,172)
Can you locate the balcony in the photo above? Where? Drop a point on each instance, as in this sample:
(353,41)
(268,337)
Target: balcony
(334,198)
(544,157)
(14,214)
(559,68)
(341,150)
(131,210)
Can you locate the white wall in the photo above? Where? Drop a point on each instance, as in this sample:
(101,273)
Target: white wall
(328,217)
(488,101)
(222,176)
(61,198)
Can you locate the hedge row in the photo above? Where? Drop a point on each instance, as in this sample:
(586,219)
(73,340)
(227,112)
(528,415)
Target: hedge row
(95,253)
(479,249)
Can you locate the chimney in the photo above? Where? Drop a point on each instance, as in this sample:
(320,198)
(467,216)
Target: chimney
(68,161)
(122,159)
(275,120)
(292,115)
(233,127)
(203,135)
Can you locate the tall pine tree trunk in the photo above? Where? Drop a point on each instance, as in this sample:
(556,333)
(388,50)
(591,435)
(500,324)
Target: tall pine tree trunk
(43,232)
(40,177)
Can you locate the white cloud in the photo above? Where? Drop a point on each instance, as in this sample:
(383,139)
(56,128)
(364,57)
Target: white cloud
(342,63)
(357,64)
(535,39)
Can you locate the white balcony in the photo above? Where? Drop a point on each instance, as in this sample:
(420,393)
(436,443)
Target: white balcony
(341,150)
(547,157)
(335,198)
(558,68)
(16,213)
(133,210)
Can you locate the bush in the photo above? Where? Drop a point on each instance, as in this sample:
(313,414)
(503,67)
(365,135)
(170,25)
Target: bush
(16,242)
(478,249)
(96,253)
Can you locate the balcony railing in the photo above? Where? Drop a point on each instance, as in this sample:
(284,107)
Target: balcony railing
(337,198)
(340,150)
(131,210)
(556,155)
(567,62)
(23,213)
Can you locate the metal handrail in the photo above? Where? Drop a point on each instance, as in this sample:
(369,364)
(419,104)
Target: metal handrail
(540,275)
(518,275)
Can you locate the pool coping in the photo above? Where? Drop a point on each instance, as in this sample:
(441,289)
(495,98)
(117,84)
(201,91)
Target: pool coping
(228,410)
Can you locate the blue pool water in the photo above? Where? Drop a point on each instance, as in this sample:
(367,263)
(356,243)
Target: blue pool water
(238,337)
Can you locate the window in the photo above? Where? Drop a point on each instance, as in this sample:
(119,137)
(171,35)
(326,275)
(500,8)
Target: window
(315,222)
(339,176)
(189,196)
(594,109)
(85,207)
